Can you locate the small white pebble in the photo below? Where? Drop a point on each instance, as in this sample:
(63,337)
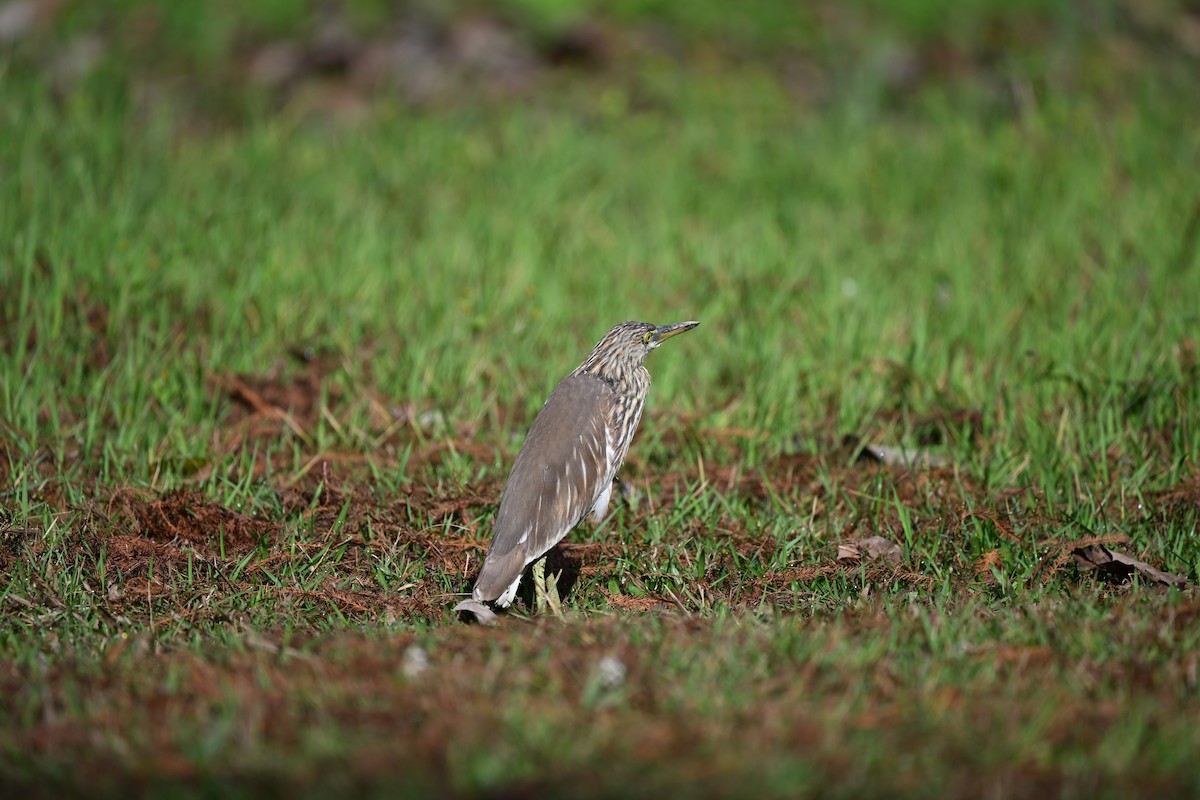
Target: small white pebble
(431,419)
(611,671)
(416,661)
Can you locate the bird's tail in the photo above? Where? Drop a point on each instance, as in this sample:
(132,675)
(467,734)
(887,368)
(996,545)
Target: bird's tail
(498,580)
(483,614)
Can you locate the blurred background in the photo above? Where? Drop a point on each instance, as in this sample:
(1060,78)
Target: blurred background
(337,57)
(925,192)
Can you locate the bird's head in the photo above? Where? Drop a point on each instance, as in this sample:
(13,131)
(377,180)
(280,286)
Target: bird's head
(627,345)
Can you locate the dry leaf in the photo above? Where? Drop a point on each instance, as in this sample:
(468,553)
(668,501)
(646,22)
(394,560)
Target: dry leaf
(1112,565)
(986,563)
(849,553)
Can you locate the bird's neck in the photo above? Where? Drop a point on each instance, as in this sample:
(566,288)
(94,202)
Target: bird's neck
(632,380)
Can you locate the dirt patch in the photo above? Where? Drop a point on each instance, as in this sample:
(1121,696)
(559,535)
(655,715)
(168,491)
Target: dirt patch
(188,552)
(465,505)
(13,543)
(282,400)
(188,516)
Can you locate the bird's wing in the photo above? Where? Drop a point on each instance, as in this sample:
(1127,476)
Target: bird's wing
(561,470)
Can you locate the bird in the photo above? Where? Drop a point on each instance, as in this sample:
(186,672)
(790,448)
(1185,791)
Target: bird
(564,471)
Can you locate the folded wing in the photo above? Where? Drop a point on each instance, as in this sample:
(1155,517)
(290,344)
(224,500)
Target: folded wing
(563,467)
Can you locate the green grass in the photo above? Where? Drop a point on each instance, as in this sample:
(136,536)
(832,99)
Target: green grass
(261,383)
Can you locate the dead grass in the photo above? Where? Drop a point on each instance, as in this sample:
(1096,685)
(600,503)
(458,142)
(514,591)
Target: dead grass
(151,542)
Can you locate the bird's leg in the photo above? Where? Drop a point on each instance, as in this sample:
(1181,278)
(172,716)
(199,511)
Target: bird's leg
(539,585)
(552,594)
(545,589)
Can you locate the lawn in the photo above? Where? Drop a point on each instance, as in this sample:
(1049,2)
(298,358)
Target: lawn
(270,341)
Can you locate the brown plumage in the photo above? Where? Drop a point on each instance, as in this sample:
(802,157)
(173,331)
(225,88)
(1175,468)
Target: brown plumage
(565,468)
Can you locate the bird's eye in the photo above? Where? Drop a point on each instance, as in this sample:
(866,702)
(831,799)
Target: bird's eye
(647,337)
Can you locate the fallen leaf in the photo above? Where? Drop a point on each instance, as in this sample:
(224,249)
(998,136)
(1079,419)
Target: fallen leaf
(873,547)
(1112,565)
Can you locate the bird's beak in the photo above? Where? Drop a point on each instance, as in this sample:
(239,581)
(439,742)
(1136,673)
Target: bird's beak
(664,332)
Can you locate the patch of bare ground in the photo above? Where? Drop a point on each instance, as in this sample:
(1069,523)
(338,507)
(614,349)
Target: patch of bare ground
(183,553)
(184,518)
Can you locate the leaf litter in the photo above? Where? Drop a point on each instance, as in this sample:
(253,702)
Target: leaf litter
(1114,566)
